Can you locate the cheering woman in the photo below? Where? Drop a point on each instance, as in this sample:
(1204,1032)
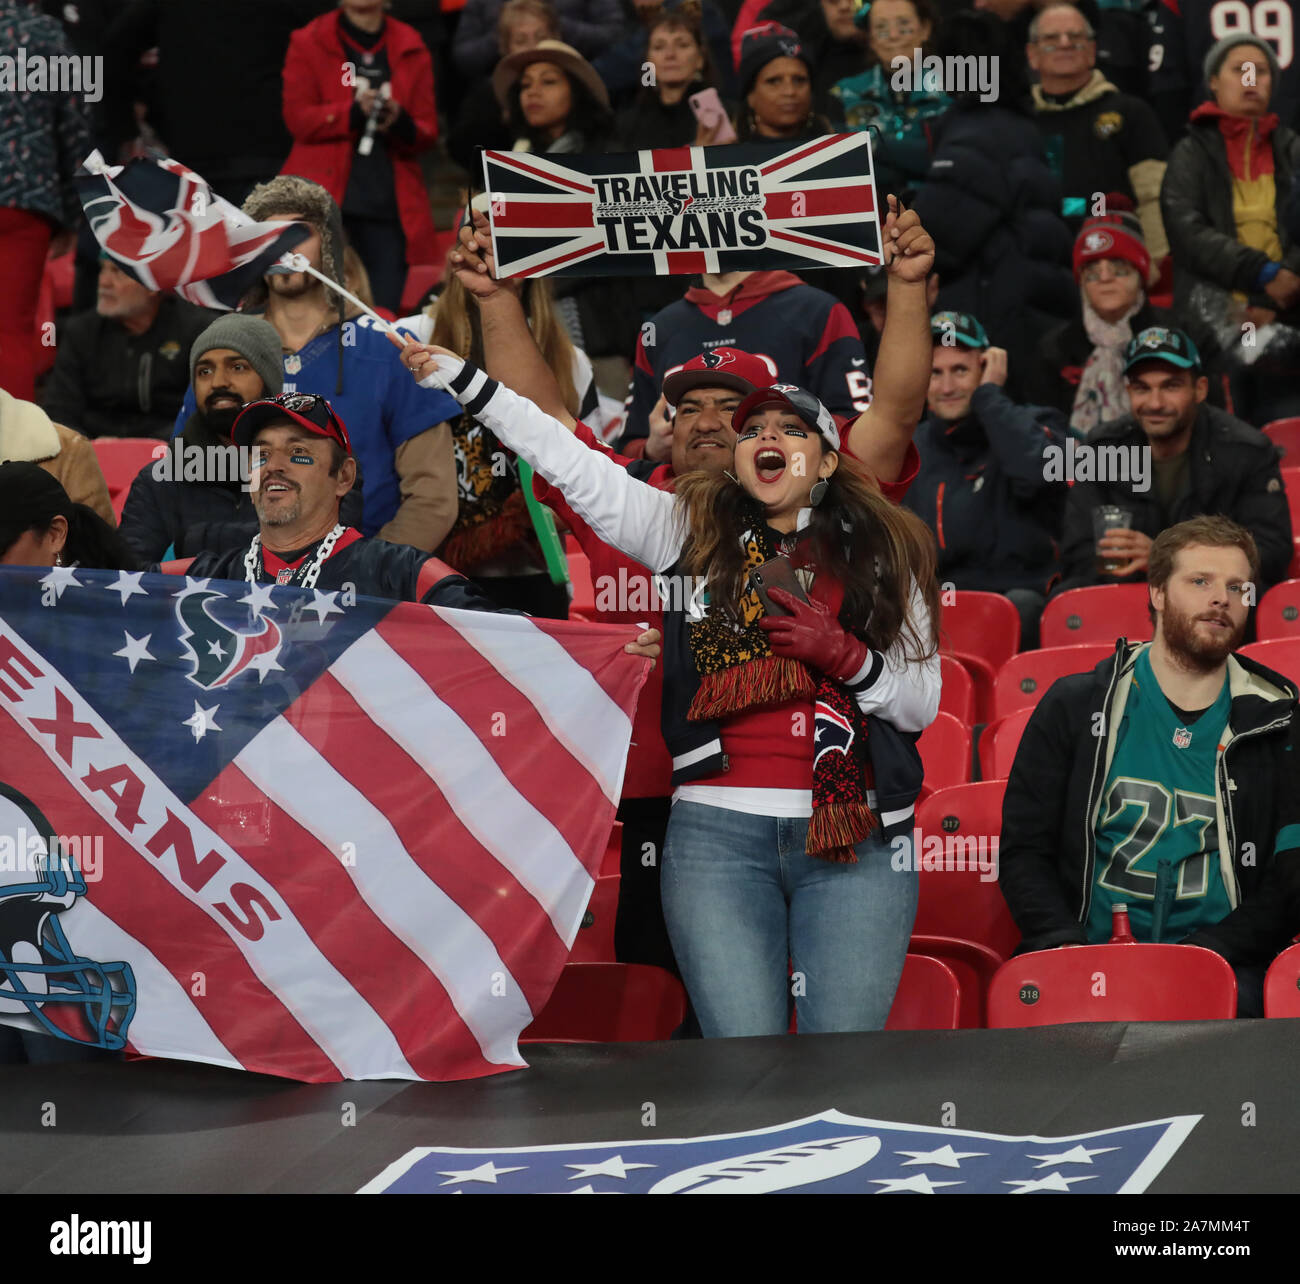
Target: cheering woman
(792,724)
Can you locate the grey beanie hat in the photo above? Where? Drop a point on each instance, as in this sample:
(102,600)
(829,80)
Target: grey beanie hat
(253,338)
(1215,58)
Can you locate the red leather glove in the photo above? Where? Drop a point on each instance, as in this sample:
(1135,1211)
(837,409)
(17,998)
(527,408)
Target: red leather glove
(812,634)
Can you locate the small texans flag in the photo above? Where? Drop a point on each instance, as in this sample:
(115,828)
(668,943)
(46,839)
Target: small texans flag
(164,226)
(830,1153)
(294,831)
(683,210)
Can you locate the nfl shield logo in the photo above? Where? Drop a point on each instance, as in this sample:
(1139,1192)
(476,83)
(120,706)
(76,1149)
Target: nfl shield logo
(1182,738)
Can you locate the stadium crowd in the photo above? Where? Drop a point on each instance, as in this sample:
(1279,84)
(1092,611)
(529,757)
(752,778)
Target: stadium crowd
(1078,366)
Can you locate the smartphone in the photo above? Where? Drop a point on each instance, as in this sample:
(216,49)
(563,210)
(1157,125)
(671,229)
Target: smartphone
(778,573)
(710,112)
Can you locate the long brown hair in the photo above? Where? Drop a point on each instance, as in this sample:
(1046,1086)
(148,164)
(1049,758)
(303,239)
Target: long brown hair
(855,530)
(456,327)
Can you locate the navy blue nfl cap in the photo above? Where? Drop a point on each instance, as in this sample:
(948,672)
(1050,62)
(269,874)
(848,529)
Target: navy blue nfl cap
(788,397)
(1158,343)
(964,329)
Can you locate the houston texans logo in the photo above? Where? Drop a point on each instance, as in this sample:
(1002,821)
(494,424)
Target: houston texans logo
(219,653)
(718,358)
(833,733)
(676,204)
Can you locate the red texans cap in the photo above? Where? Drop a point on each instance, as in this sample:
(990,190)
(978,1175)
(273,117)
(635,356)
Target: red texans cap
(719,368)
(308,409)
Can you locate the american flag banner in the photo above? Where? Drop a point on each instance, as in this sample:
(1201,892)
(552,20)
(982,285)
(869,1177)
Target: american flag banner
(163,225)
(304,833)
(830,1153)
(685,210)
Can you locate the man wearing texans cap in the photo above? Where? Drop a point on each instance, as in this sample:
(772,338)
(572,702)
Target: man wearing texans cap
(1178,457)
(982,487)
(302,467)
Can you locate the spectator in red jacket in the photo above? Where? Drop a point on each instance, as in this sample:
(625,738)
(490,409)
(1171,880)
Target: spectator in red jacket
(359,102)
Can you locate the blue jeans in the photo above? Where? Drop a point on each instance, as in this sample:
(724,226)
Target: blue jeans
(742,900)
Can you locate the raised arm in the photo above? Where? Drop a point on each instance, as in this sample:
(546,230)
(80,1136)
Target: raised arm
(880,436)
(637,519)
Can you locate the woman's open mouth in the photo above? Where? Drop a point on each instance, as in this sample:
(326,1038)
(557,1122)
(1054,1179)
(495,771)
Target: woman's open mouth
(769,463)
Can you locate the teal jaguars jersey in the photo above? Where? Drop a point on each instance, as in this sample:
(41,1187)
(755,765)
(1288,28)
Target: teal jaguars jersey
(1157,840)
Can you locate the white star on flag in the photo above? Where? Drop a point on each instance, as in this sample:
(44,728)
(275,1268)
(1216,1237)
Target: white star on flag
(258,598)
(201,721)
(323,605)
(135,650)
(217,650)
(128,585)
(1079,1155)
(191,586)
(265,662)
(611,1167)
(59,578)
(918,1184)
(1053,1181)
(945,1156)
(484,1172)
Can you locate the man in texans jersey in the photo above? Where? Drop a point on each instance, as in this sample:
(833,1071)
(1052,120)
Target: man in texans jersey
(1165,779)
(302,467)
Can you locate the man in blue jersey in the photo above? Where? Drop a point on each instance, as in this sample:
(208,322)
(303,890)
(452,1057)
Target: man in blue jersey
(1164,780)
(400,432)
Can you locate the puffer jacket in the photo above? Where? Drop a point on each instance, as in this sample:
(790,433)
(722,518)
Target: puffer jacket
(1003,251)
(1047,849)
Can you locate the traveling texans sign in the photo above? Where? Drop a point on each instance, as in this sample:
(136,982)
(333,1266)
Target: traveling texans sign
(684,210)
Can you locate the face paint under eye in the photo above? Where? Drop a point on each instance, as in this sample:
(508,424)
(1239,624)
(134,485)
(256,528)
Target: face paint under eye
(301,459)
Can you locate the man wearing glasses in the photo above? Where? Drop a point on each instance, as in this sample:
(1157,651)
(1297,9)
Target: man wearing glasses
(303,466)
(1098,139)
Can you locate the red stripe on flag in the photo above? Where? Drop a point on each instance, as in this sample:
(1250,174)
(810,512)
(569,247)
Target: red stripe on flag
(823,248)
(822,202)
(782,161)
(564,215)
(315,886)
(669,158)
(513,162)
(256,1028)
(529,755)
(686,262)
(585,252)
(328,718)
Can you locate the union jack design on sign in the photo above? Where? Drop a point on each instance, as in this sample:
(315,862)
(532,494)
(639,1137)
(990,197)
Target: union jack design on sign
(164,226)
(685,210)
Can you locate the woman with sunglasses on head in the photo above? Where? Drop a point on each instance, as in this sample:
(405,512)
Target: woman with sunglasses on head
(791,716)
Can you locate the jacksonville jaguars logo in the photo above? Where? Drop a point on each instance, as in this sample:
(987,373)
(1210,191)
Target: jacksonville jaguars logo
(219,651)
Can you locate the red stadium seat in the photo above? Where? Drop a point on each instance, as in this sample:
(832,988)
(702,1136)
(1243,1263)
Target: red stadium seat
(1291,481)
(1278,613)
(1113,983)
(1282,655)
(999,742)
(1285,435)
(1282,985)
(946,752)
(1100,613)
(420,279)
(611,863)
(957,694)
(986,625)
(972,964)
(178,567)
(928,997)
(120,460)
(1023,681)
(981,674)
(957,899)
(610,1003)
(595,940)
(583,604)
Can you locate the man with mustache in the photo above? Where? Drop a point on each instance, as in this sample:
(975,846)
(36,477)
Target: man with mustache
(234,361)
(1163,780)
(1176,457)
